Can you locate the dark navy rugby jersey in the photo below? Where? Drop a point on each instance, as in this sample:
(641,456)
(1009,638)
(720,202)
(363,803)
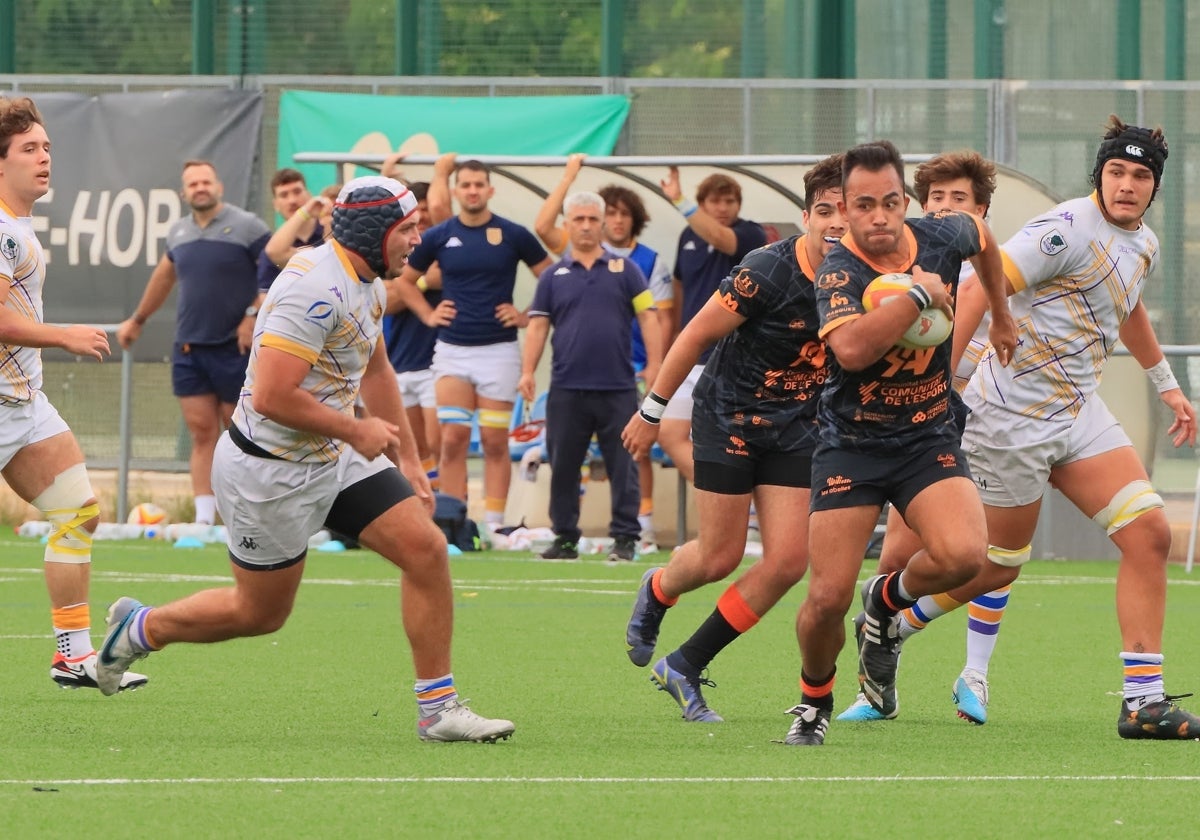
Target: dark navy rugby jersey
(904,397)
(700,268)
(765,377)
(408,340)
(479,271)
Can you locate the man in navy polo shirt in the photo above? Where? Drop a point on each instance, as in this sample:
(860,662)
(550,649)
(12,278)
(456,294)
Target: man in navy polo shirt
(213,253)
(716,239)
(590,298)
(476,360)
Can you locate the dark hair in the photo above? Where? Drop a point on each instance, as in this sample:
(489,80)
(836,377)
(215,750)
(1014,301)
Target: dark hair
(286,176)
(873,157)
(1132,143)
(420,189)
(718,184)
(615,195)
(474,166)
(825,176)
(16,117)
(954,165)
(188,164)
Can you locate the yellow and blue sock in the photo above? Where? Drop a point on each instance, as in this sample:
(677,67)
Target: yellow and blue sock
(433,694)
(1143,678)
(928,607)
(984,615)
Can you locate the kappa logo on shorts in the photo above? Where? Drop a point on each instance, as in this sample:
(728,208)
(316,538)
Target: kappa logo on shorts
(8,247)
(947,460)
(1053,243)
(249,544)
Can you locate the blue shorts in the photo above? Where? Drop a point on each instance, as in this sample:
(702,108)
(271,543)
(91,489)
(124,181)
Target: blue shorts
(199,369)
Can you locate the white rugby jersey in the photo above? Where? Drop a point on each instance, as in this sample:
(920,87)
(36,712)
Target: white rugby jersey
(320,311)
(23,270)
(1077,278)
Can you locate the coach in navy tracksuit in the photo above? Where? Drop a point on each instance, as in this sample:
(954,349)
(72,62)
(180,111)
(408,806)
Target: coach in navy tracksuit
(590,298)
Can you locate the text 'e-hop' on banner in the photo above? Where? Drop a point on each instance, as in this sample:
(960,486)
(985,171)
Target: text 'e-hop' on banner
(507,125)
(115,177)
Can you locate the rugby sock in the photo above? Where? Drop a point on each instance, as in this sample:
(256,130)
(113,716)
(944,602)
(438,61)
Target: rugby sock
(493,512)
(433,694)
(72,630)
(139,633)
(927,608)
(983,625)
(657,593)
(730,619)
(817,693)
(430,465)
(206,510)
(1143,679)
(892,597)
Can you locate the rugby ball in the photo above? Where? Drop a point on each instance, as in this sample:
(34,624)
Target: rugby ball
(147,513)
(932,326)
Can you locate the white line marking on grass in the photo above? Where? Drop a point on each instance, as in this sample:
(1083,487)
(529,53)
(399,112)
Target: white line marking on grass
(582,780)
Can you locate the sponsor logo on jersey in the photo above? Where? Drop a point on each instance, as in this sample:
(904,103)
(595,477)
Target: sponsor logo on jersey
(495,236)
(1053,243)
(616,266)
(833,280)
(454,242)
(744,284)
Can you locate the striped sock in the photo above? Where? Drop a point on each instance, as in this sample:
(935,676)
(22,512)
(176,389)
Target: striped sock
(72,630)
(983,626)
(433,694)
(817,692)
(928,607)
(1143,678)
(138,634)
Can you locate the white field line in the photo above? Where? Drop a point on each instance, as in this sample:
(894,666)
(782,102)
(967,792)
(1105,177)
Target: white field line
(584,780)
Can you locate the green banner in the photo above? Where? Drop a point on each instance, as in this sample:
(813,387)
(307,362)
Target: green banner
(510,125)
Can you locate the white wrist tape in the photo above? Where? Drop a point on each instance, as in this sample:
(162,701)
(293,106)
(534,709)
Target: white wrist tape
(1162,376)
(653,407)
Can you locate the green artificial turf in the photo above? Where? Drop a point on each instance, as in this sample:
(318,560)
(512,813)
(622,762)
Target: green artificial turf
(310,732)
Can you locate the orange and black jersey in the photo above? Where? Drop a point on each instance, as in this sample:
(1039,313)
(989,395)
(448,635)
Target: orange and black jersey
(763,379)
(904,397)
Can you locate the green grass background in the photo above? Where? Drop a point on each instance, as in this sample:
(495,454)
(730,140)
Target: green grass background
(310,732)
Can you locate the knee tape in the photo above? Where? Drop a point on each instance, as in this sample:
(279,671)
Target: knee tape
(1130,502)
(452,415)
(1010,557)
(68,503)
(494,418)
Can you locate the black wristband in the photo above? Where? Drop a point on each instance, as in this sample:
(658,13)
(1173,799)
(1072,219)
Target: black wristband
(653,421)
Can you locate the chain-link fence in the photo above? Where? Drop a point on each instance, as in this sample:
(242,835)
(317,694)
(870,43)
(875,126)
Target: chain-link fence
(1048,130)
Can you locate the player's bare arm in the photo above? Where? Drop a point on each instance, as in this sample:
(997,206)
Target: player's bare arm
(162,280)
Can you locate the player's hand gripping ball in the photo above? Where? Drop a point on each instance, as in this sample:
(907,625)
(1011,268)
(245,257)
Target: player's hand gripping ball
(932,326)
